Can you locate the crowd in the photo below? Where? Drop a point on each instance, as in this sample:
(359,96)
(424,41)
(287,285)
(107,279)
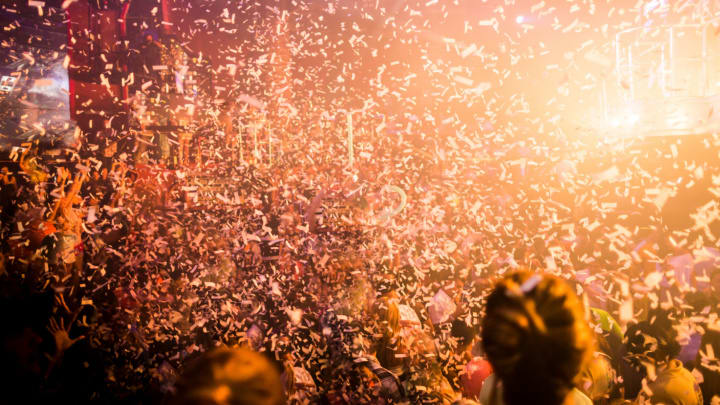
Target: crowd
(364,284)
(453,250)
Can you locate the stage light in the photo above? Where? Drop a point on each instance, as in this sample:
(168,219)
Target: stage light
(633,119)
(627,120)
(519,19)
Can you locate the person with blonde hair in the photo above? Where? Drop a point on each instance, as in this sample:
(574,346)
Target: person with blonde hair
(229,376)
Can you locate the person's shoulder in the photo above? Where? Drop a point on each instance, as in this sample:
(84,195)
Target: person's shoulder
(579,398)
(674,383)
(486,391)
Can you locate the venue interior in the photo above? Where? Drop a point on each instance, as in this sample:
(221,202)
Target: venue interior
(208,202)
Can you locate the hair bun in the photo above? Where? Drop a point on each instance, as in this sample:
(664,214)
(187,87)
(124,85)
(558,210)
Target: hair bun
(535,336)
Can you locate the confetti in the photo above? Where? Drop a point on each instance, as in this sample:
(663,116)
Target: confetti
(320,181)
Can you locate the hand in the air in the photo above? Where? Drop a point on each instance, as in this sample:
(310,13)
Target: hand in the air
(62,335)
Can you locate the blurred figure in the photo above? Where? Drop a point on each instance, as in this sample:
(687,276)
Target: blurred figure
(476,372)
(229,376)
(652,347)
(597,379)
(673,385)
(537,340)
(651,371)
(151,52)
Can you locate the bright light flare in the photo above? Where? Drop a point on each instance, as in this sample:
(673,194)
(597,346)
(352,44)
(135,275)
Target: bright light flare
(520,19)
(627,120)
(633,119)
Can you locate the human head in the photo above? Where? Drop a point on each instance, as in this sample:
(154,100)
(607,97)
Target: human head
(476,372)
(674,384)
(463,333)
(229,376)
(536,338)
(597,377)
(654,338)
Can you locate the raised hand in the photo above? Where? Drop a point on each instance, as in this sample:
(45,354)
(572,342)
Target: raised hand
(60,300)
(61,333)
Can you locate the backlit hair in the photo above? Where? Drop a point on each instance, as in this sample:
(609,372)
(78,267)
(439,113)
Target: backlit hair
(536,338)
(226,376)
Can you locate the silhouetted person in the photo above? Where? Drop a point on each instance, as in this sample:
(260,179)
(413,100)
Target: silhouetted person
(537,340)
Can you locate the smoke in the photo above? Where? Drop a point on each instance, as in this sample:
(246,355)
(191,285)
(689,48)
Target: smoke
(54,84)
(48,105)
